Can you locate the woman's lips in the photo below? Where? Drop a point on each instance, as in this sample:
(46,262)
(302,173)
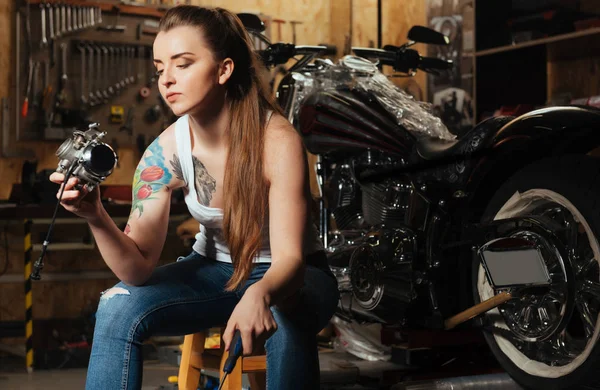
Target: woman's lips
(171,97)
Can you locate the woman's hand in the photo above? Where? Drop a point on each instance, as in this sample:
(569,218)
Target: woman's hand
(253,317)
(81,203)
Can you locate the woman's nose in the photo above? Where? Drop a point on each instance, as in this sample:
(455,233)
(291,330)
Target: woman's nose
(167,77)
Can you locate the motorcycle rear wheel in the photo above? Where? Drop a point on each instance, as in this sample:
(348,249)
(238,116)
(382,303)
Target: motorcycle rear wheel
(548,339)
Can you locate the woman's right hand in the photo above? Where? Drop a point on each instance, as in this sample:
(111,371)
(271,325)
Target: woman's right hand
(81,203)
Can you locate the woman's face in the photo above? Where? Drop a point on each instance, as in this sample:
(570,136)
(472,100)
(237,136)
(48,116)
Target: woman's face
(188,75)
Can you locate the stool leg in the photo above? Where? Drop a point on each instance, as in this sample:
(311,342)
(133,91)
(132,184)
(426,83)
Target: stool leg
(258,380)
(234,379)
(189,376)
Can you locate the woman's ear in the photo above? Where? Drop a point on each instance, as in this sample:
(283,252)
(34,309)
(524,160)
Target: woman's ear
(225,70)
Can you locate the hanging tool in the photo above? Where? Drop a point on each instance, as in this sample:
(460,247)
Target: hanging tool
(279,23)
(116,114)
(62,95)
(34,85)
(128,126)
(50,20)
(294,23)
(44,41)
(25,106)
(235,351)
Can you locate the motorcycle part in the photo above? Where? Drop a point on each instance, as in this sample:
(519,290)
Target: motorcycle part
(92,159)
(548,337)
(476,310)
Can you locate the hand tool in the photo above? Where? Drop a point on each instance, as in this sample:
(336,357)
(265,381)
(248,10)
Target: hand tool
(25,106)
(235,351)
(50,20)
(44,41)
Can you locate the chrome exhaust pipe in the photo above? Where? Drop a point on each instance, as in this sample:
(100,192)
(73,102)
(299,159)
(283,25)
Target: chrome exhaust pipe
(475,382)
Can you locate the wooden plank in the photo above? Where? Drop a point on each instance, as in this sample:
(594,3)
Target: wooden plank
(254,363)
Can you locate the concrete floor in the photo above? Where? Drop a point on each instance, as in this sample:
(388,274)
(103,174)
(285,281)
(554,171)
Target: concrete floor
(155,376)
(338,371)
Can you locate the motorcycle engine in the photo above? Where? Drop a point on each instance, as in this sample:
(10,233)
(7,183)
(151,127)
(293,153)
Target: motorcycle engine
(372,247)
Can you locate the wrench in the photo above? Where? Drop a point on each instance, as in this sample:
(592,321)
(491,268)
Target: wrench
(110,89)
(44,42)
(93,98)
(100,74)
(84,17)
(130,67)
(62,95)
(81,49)
(139,63)
(69,20)
(57,33)
(50,20)
(63,19)
(99,15)
(123,82)
(112,61)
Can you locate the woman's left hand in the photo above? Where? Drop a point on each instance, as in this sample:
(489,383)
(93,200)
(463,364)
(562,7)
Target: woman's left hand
(253,317)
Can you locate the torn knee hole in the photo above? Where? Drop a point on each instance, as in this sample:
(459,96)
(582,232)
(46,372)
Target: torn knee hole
(106,295)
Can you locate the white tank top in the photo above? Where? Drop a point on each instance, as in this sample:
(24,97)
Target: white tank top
(210,241)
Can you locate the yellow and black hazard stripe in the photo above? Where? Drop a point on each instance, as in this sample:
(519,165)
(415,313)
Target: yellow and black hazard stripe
(28,298)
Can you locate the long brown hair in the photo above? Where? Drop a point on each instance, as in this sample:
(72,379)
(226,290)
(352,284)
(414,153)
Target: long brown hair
(245,189)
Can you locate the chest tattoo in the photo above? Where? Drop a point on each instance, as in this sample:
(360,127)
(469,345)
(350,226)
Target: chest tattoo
(205,184)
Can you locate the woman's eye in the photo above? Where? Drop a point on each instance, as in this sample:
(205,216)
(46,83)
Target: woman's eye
(183,66)
(159,72)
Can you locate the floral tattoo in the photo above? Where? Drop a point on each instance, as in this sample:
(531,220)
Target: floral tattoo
(150,177)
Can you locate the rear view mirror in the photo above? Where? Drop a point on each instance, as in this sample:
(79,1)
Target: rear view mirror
(426,35)
(252,22)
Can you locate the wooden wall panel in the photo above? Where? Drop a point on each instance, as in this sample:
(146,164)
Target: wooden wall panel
(364,23)
(397,17)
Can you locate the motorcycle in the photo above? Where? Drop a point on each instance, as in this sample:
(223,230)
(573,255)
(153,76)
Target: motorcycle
(496,230)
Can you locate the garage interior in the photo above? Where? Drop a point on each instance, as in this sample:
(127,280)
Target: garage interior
(508,58)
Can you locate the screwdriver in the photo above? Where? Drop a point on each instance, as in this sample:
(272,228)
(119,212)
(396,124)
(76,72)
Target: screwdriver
(235,351)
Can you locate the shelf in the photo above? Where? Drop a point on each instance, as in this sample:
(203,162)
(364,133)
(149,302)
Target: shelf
(541,41)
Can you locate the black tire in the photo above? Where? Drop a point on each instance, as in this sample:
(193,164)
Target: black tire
(577,178)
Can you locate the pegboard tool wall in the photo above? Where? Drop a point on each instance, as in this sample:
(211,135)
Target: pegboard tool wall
(109,73)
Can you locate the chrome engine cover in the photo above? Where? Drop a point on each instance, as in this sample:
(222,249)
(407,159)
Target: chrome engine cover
(378,280)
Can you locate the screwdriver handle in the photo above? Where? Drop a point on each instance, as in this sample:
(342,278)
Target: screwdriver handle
(235,351)
(25,107)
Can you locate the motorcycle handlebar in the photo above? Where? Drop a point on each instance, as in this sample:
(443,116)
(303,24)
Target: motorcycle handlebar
(434,63)
(402,59)
(385,57)
(280,53)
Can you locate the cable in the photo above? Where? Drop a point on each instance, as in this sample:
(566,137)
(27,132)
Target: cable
(39,263)
(6,250)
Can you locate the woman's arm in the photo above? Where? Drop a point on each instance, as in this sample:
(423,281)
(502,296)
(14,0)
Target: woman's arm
(286,170)
(133,254)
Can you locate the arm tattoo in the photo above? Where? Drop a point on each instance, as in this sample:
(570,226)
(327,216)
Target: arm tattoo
(177,167)
(150,177)
(205,184)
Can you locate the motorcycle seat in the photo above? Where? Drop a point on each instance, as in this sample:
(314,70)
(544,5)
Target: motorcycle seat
(476,139)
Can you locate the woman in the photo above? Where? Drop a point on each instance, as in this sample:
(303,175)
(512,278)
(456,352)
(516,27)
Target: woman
(257,264)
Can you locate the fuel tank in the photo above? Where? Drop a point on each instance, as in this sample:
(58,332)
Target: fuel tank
(345,121)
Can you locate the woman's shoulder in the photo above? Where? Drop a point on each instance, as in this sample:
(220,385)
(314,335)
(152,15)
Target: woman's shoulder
(283,145)
(280,129)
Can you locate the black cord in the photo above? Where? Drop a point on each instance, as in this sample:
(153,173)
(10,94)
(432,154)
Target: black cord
(39,263)
(6,251)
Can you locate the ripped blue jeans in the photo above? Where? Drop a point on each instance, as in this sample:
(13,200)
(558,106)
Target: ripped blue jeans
(188,296)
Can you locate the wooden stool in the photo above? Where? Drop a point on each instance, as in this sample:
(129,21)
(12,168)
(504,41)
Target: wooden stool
(194,358)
